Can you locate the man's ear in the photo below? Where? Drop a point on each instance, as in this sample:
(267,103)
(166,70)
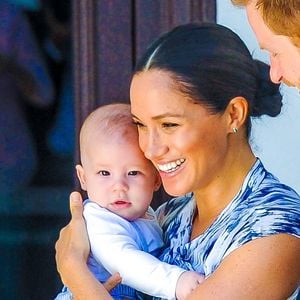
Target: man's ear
(237,112)
(81,176)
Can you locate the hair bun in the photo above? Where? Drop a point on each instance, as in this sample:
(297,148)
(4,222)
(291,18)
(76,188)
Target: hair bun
(268,100)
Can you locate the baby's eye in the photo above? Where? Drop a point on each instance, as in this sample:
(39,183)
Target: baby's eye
(103,173)
(274,54)
(133,173)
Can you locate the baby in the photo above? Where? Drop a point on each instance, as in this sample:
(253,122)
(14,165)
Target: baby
(123,231)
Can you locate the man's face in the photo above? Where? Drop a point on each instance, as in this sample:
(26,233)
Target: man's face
(284,55)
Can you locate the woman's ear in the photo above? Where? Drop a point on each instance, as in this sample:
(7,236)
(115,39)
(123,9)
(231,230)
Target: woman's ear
(81,176)
(238,112)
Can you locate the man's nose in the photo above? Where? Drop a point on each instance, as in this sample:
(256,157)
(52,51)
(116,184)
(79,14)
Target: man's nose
(275,70)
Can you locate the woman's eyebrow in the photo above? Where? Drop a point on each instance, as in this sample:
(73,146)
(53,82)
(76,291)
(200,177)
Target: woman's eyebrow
(135,117)
(167,115)
(162,116)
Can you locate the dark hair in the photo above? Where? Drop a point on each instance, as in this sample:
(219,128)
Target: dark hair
(212,66)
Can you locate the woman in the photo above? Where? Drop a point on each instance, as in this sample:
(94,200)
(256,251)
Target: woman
(192,94)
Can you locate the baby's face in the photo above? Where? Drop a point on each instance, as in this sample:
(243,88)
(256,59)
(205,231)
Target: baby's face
(117,176)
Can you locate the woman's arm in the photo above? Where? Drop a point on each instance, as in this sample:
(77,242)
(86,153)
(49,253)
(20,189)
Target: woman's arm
(267,268)
(72,249)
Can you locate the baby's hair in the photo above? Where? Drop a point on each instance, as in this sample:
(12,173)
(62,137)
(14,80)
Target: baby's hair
(111,120)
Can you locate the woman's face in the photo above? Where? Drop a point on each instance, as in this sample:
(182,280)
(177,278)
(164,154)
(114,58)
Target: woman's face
(187,143)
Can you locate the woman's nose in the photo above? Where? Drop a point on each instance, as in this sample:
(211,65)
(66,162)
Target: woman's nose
(275,70)
(153,146)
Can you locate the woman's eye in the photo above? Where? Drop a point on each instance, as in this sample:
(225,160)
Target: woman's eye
(169,125)
(133,173)
(138,124)
(103,173)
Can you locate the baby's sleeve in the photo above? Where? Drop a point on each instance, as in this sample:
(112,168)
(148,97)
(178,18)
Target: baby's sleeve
(114,244)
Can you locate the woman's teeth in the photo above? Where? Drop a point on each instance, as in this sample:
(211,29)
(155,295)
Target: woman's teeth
(171,166)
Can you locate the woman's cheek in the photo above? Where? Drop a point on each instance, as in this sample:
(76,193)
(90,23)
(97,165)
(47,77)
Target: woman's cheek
(142,141)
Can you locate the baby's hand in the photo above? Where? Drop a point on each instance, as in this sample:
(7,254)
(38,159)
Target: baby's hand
(186,283)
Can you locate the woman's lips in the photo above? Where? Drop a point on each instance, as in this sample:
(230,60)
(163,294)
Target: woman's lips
(171,166)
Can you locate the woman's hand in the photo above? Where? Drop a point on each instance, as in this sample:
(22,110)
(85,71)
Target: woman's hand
(72,247)
(72,250)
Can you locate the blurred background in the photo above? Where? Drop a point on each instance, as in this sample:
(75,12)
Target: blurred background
(37,134)
(59,59)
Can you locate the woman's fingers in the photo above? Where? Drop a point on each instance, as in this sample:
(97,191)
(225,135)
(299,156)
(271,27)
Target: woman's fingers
(72,245)
(112,281)
(76,206)
(60,247)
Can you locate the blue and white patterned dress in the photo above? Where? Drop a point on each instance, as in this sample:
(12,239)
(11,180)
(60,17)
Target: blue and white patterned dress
(262,207)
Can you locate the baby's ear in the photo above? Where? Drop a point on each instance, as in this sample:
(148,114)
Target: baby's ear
(157,182)
(81,176)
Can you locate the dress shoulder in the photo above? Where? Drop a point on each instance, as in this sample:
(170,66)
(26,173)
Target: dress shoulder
(172,208)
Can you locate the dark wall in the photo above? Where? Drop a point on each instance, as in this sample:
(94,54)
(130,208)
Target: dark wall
(110,35)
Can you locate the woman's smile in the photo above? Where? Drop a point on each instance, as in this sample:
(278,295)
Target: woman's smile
(171,166)
(177,134)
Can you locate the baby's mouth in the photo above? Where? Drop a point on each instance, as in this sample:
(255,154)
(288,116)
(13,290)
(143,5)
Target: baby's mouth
(121,203)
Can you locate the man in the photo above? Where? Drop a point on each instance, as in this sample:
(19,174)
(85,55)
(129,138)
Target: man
(276,24)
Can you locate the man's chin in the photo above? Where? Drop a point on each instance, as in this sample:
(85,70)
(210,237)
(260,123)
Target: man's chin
(290,84)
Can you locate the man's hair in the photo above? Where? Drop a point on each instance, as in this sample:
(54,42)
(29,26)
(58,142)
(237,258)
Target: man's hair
(281,16)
